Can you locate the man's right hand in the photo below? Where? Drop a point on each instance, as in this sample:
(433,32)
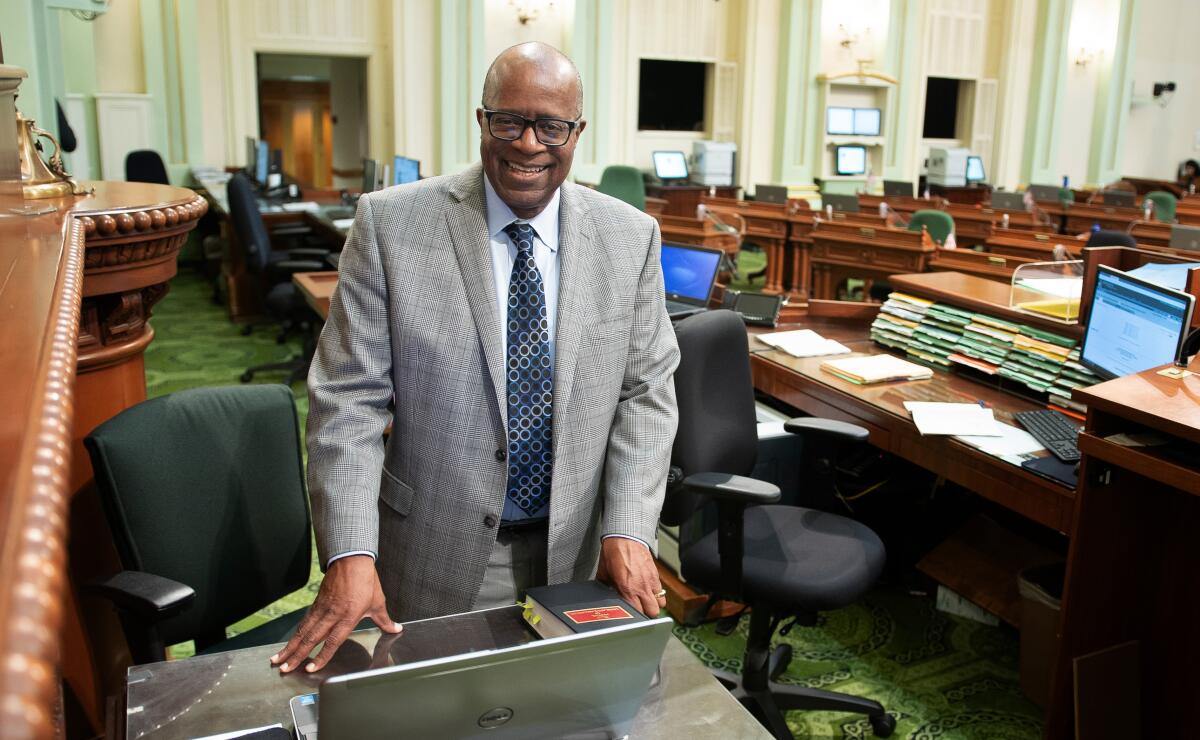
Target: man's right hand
(349,592)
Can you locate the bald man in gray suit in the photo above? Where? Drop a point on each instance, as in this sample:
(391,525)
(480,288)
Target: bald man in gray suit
(511,328)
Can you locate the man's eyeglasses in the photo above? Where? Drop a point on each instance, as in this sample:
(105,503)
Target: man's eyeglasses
(510,127)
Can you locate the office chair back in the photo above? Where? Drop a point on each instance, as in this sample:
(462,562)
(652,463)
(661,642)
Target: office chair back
(939,224)
(718,430)
(144,165)
(248,223)
(1104,238)
(1164,205)
(624,183)
(205,487)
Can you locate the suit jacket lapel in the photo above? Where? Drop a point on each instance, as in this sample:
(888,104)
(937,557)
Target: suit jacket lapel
(468,230)
(577,261)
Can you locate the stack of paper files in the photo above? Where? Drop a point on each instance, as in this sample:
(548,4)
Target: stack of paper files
(804,343)
(985,343)
(898,318)
(938,335)
(953,419)
(875,369)
(1072,375)
(1036,358)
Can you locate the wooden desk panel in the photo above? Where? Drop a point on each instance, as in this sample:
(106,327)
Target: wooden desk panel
(683,199)
(317,289)
(767,226)
(1032,245)
(985,265)
(846,250)
(1080,217)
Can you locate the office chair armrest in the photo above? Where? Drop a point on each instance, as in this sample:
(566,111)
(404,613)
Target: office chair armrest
(308,253)
(290,267)
(145,596)
(732,488)
(828,429)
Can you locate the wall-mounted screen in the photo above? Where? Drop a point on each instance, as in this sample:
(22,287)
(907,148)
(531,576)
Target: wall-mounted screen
(839,120)
(866,121)
(851,160)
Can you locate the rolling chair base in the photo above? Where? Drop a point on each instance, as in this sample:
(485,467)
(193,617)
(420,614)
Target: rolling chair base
(297,365)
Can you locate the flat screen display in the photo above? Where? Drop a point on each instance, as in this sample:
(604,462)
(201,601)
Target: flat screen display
(866,121)
(405,170)
(670,165)
(851,160)
(262,162)
(839,120)
(369,177)
(975,171)
(689,272)
(1133,325)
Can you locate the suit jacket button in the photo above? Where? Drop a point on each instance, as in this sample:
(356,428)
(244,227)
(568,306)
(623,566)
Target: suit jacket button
(489,521)
(500,455)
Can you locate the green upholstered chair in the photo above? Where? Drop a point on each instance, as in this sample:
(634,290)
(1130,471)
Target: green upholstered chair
(204,493)
(624,183)
(939,224)
(1164,205)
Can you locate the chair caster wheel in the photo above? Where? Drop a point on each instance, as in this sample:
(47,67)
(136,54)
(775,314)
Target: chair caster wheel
(246,330)
(247,376)
(882,725)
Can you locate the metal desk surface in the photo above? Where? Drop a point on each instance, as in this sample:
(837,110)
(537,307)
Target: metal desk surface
(210,694)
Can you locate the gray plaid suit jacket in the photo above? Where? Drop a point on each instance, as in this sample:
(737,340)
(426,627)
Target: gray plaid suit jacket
(414,320)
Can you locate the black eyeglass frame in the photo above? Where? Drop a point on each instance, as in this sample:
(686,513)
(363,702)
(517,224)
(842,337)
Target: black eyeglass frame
(528,122)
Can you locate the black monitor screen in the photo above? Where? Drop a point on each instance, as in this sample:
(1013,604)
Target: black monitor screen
(369,180)
(851,160)
(1133,325)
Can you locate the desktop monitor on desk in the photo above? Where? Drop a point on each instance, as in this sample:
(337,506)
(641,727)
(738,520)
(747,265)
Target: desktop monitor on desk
(840,202)
(1134,324)
(851,159)
(370,179)
(670,166)
(405,170)
(897,188)
(1120,198)
(262,162)
(975,173)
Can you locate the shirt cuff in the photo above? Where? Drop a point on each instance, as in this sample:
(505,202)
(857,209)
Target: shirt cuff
(622,536)
(339,556)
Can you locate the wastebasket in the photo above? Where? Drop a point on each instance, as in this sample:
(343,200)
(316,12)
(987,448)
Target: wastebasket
(1041,590)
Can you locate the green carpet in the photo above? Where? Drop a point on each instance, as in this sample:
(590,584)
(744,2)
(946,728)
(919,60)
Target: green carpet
(941,676)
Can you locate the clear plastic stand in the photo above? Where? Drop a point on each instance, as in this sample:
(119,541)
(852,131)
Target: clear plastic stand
(1051,290)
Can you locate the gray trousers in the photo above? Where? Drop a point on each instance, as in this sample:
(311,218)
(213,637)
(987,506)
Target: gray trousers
(518,562)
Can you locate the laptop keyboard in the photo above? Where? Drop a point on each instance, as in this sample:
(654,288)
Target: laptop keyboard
(675,307)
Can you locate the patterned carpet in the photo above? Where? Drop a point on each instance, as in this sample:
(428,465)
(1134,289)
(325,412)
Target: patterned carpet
(941,676)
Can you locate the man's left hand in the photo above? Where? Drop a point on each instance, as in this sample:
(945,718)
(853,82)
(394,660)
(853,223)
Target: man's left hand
(627,566)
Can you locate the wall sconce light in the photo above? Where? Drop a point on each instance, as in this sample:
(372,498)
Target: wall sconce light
(528,10)
(850,41)
(1086,56)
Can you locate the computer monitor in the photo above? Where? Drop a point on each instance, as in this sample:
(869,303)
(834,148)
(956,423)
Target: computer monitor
(262,162)
(370,179)
(771,194)
(1045,192)
(840,202)
(251,155)
(839,120)
(851,159)
(689,273)
(1133,325)
(897,188)
(1120,198)
(975,171)
(1003,200)
(866,121)
(405,170)
(670,165)
(1185,237)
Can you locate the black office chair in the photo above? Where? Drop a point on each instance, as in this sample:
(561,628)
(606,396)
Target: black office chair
(1104,238)
(273,272)
(145,165)
(204,493)
(782,561)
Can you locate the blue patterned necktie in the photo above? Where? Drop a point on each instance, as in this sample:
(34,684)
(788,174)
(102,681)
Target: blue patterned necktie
(530,379)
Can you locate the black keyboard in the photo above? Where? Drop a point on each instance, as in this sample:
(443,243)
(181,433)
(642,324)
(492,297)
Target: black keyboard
(1056,432)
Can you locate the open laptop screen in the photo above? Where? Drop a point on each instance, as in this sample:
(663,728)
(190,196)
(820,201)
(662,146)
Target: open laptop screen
(688,273)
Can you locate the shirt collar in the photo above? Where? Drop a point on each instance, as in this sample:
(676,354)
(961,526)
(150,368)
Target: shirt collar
(500,215)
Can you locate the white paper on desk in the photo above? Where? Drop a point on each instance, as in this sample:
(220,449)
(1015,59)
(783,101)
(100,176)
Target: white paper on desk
(304,205)
(239,733)
(804,343)
(1013,445)
(343,223)
(1058,287)
(953,419)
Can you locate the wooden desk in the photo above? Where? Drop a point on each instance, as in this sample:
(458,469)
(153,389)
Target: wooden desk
(1032,245)
(967,194)
(1079,217)
(700,232)
(1133,562)
(1187,210)
(766,226)
(682,199)
(1143,185)
(846,250)
(990,266)
(317,289)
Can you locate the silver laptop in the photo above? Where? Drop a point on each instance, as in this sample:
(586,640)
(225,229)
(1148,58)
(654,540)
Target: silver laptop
(689,273)
(1185,237)
(771,194)
(587,685)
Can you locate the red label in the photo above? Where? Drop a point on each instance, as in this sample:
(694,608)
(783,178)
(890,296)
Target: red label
(600,614)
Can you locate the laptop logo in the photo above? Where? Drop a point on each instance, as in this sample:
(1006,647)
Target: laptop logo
(495,717)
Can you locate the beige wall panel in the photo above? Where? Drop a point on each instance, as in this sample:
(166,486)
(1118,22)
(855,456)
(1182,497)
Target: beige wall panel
(118,39)
(414,74)
(504,28)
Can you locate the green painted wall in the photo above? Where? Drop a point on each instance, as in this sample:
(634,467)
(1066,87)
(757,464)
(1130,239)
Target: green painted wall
(1040,162)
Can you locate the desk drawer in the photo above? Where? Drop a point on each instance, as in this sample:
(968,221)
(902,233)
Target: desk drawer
(899,260)
(766,226)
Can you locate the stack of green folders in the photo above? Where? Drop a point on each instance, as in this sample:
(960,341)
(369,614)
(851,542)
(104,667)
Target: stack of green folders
(943,336)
